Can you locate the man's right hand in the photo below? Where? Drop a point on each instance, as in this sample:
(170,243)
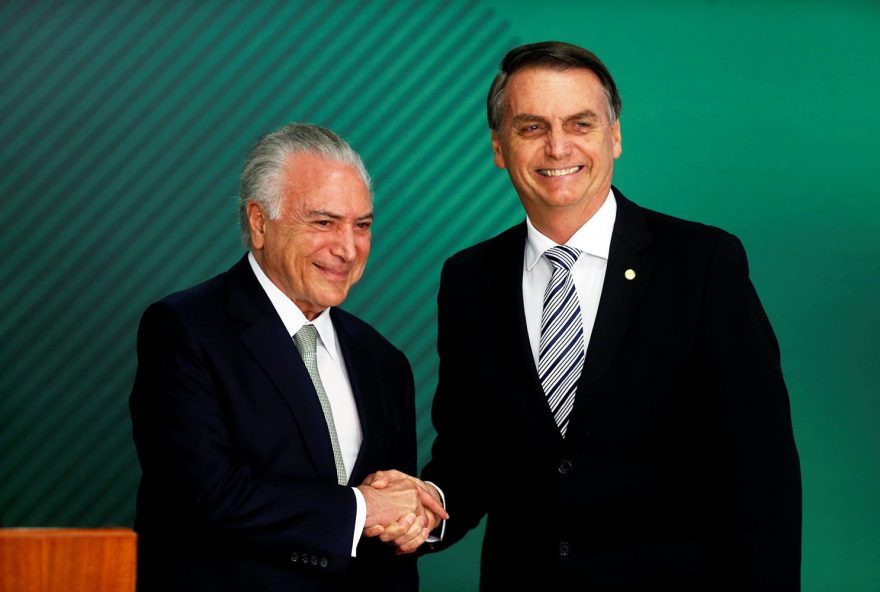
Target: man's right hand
(401,510)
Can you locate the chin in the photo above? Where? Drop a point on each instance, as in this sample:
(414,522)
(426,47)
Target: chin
(336,298)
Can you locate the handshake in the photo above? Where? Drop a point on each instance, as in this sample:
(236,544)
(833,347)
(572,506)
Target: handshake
(401,510)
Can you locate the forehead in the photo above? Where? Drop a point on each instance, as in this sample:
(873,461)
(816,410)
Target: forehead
(311,180)
(554,93)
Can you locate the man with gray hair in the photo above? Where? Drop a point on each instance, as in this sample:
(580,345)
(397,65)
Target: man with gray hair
(258,403)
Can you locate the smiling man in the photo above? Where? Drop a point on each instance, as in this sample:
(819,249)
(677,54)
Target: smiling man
(258,404)
(558,141)
(610,394)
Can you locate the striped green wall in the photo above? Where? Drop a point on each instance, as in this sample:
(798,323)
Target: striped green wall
(124,125)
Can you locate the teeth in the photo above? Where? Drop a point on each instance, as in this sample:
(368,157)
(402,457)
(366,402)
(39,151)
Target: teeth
(558,172)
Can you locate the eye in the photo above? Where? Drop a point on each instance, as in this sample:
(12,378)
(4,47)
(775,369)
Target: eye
(365,226)
(581,125)
(531,130)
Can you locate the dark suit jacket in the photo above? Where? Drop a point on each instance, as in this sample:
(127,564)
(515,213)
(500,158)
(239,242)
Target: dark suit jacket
(239,487)
(679,470)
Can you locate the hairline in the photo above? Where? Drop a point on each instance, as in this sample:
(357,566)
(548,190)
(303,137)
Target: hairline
(555,56)
(263,174)
(500,97)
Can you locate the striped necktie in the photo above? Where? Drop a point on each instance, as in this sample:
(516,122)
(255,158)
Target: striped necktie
(306,340)
(561,353)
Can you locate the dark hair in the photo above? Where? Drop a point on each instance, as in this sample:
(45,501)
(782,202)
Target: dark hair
(555,55)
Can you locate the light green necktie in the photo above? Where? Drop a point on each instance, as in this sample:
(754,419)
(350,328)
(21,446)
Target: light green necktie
(306,340)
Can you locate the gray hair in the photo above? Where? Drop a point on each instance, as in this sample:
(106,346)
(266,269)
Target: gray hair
(261,175)
(553,55)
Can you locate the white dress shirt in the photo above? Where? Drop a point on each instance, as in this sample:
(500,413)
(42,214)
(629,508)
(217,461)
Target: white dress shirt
(588,272)
(334,378)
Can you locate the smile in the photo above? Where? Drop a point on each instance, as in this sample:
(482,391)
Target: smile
(333,271)
(559,172)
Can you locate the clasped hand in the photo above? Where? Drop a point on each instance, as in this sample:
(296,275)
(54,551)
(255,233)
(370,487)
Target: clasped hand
(401,510)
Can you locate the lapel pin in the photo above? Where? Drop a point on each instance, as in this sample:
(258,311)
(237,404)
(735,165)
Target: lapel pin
(630,274)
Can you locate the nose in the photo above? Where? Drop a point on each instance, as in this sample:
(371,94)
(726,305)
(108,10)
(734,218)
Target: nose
(557,145)
(344,246)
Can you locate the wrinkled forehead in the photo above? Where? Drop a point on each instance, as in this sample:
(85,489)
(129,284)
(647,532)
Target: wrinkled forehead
(553,93)
(315,182)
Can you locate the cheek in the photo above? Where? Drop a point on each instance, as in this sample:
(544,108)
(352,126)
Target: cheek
(306,247)
(526,155)
(363,248)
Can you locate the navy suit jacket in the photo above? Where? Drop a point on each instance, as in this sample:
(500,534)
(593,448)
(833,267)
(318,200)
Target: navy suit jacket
(239,485)
(679,469)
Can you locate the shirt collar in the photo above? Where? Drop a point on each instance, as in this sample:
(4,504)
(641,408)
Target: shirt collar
(593,238)
(292,317)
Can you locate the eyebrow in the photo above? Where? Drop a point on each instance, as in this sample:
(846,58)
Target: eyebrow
(587,114)
(328,214)
(526,117)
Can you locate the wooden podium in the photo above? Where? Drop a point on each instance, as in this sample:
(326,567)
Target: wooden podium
(67,559)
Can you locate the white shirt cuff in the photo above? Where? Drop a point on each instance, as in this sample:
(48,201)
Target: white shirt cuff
(360,519)
(434,538)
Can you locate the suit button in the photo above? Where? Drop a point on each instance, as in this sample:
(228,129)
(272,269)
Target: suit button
(324,562)
(294,557)
(564,550)
(564,467)
(314,560)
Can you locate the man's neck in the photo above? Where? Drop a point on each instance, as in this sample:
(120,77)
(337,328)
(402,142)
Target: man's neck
(560,224)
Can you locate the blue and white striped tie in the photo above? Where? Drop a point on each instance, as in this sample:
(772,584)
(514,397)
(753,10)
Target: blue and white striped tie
(561,354)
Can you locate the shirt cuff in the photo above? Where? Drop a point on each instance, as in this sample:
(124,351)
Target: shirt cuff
(360,519)
(432,538)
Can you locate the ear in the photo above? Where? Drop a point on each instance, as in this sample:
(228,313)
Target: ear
(616,138)
(257,224)
(496,151)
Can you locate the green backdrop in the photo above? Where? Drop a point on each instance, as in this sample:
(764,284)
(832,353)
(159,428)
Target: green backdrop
(124,126)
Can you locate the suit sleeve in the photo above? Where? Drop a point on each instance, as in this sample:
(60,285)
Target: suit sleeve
(458,464)
(196,478)
(743,360)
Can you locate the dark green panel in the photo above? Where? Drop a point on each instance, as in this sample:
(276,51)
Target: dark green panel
(125,125)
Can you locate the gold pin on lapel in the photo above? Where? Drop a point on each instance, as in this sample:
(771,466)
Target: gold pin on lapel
(630,274)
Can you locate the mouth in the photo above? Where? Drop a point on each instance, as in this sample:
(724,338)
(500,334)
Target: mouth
(559,172)
(333,272)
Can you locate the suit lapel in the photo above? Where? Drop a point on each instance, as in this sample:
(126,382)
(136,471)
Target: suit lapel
(360,372)
(503,286)
(629,268)
(267,340)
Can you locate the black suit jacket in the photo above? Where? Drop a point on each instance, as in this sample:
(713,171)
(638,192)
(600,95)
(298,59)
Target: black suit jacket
(679,470)
(239,485)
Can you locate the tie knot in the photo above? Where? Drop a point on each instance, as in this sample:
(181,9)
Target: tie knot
(306,339)
(562,256)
